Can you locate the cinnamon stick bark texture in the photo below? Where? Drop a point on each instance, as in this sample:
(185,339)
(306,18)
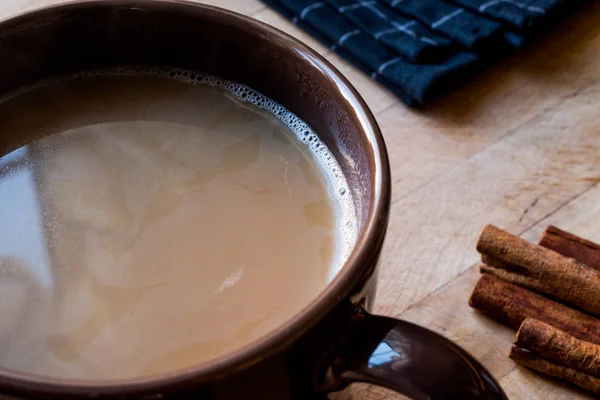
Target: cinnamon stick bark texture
(530,360)
(558,276)
(517,279)
(572,246)
(558,346)
(511,305)
(493,262)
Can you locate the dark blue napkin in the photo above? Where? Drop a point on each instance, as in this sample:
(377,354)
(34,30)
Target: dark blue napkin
(418,48)
(520,14)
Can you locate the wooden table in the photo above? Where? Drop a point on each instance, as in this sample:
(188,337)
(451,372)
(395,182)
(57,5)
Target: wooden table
(518,147)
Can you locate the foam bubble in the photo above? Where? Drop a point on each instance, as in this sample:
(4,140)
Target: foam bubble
(338,186)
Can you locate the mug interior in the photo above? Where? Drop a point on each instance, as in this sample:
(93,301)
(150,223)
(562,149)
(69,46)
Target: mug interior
(89,35)
(86,36)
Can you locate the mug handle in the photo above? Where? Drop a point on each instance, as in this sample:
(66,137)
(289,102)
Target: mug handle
(408,359)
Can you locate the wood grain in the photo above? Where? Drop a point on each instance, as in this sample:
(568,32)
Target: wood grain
(518,146)
(434,228)
(522,384)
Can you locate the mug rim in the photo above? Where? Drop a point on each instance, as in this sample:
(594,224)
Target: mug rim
(366,248)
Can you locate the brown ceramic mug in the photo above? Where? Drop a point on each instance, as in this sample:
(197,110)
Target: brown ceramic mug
(334,341)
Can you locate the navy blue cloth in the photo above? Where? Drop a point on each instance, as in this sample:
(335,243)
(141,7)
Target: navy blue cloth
(418,48)
(521,14)
(403,34)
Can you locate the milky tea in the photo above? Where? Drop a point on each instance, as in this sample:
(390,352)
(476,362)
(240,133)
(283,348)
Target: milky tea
(155,219)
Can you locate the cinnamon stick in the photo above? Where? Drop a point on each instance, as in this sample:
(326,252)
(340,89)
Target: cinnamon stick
(554,274)
(569,245)
(493,262)
(517,279)
(558,346)
(530,360)
(511,305)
